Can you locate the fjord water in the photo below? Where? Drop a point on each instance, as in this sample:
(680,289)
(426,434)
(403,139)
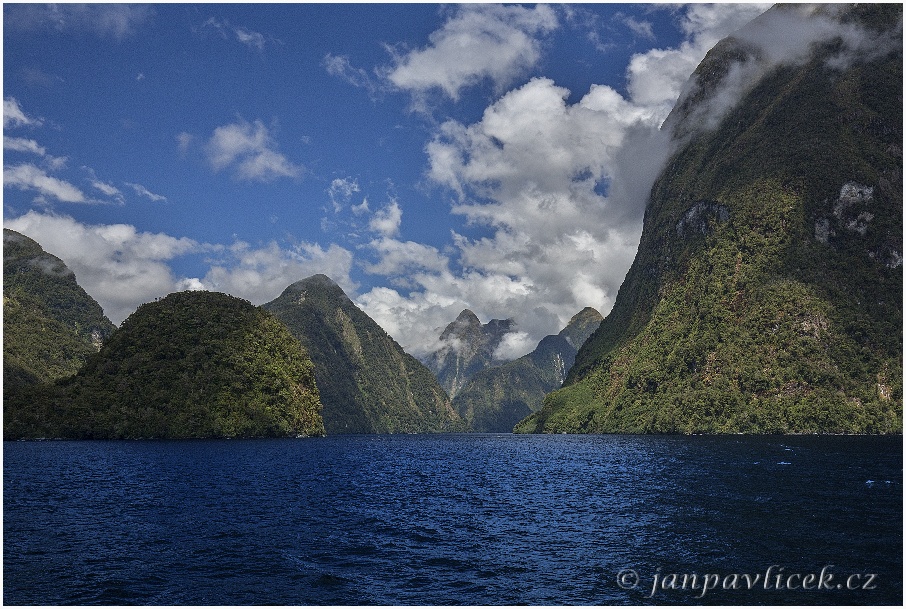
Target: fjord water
(452,519)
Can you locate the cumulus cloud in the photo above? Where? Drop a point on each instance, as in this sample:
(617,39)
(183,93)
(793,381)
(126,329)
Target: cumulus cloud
(560,187)
(386,221)
(116,21)
(250,151)
(478,42)
(119,266)
(122,268)
(261,274)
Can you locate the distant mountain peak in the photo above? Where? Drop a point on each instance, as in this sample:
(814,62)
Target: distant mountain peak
(498,397)
(315,285)
(467,347)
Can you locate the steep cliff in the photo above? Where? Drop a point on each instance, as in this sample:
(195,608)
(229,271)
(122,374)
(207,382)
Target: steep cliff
(766,295)
(467,348)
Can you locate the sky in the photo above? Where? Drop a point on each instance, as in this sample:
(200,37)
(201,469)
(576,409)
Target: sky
(428,158)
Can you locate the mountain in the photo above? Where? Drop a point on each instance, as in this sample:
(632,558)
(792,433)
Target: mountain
(766,295)
(50,324)
(368,383)
(467,347)
(192,365)
(497,398)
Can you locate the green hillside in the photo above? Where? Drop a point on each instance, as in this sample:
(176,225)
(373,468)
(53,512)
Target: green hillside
(368,383)
(192,365)
(50,324)
(766,295)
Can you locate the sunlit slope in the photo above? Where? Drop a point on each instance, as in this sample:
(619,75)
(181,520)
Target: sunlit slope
(766,295)
(50,324)
(192,365)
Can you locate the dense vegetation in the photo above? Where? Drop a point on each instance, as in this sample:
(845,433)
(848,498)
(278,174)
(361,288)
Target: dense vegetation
(766,295)
(50,325)
(193,365)
(466,348)
(497,398)
(368,383)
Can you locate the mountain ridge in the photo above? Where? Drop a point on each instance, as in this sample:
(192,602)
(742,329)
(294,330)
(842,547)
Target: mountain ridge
(467,347)
(368,383)
(766,295)
(497,398)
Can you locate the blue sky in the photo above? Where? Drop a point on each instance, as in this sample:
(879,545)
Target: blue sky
(426,157)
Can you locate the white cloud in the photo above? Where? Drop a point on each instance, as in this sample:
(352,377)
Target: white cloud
(477,42)
(29,177)
(341,191)
(122,268)
(643,29)
(117,265)
(250,38)
(340,66)
(561,187)
(260,275)
(250,151)
(398,259)
(656,78)
(144,192)
(108,189)
(784,35)
(13,115)
(184,140)
(106,20)
(19,144)
(386,221)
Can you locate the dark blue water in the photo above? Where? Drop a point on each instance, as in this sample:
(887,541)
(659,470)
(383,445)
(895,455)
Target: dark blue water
(455,519)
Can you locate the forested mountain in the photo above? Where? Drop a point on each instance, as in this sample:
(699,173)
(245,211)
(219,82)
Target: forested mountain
(497,398)
(192,365)
(766,295)
(368,383)
(50,324)
(467,347)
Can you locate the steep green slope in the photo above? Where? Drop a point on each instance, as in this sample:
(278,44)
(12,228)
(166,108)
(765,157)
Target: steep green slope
(766,295)
(50,324)
(368,383)
(497,398)
(193,365)
(467,348)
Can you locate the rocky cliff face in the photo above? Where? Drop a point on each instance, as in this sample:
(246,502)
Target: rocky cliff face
(50,324)
(497,398)
(467,347)
(367,383)
(766,295)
